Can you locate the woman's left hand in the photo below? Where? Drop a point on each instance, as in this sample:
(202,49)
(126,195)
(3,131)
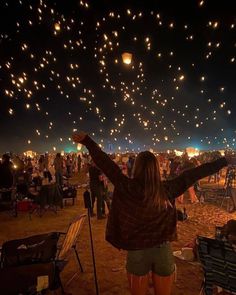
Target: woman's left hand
(78,137)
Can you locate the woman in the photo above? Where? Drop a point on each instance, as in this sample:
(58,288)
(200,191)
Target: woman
(186,165)
(143,218)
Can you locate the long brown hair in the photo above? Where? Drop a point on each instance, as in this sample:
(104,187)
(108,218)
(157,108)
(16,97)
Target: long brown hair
(146,170)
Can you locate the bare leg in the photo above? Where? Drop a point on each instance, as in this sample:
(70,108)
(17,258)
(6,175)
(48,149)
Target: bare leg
(162,285)
(192,195)
(138,284)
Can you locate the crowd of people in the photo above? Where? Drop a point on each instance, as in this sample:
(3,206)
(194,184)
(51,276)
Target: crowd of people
(53,167)
(22,172)
(142,213)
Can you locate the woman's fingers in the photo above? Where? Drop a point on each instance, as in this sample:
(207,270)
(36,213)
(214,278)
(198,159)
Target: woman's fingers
(78,137)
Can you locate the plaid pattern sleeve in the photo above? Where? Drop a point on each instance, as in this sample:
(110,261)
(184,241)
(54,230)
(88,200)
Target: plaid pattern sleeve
(105,163)
(180,184)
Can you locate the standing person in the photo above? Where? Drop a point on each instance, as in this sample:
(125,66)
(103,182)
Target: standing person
(96,190)
(85,163)
(68,166)
(46,162)
(105,193)
(6,176)
(188,164)
(142,218)
(73,163)
(164,167)
(174,164)
(41,164)
(130,165)
(58,165)
(79,162)
(29,169)
(230,185)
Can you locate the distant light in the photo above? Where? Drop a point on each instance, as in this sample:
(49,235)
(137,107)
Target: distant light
(127,58)
(57,27)
(201,3)
(79,146)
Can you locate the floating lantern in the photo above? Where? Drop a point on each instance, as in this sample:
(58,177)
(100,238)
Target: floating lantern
(127,58)
(30,154)
(57,27)
(192,152)
(178,153)
(79,146)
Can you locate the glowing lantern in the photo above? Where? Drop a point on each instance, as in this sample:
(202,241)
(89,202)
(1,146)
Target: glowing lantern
(127,58)
(192,152)
(79,146)
(57,27)
(178,153)
(30,154)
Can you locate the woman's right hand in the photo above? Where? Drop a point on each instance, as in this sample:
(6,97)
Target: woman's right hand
(79,136)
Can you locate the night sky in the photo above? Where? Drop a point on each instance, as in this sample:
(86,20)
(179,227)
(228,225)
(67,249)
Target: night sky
(61,70)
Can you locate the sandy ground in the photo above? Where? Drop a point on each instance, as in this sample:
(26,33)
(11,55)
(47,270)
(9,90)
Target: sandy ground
(110,262)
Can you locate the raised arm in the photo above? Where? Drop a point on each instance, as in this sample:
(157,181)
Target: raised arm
(180,184)
(101,159)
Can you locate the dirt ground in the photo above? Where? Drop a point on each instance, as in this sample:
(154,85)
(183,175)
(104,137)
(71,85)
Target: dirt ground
(109,261)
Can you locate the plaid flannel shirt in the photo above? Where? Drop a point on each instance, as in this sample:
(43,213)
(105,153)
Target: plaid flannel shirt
(131,223)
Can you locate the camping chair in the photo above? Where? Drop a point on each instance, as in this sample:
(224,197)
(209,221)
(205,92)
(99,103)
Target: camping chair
(8,201)
(69,243)
(227,197)
(209,194)
(35,249)
(29,264)
(28,279)
(49,198)
(218,259)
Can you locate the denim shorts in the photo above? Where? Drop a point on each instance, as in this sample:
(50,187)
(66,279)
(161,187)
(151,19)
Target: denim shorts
(159,260)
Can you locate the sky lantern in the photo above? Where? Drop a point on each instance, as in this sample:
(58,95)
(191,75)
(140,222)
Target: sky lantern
(57,26)
(30,154)
(192,152)
(127,58)
(79,146)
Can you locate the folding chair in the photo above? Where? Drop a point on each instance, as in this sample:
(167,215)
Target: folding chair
(209,194)
(227,197)
(218,259)
(28,265)
(69,243)
(28,279)
(35,249)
